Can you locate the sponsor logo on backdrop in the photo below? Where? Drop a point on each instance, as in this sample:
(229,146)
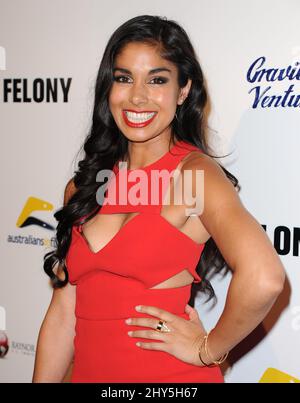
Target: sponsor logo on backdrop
(4,345)
(27,218)
(38,90)
(28,90)
(286,240)
(14,346)
(273,375)
(34,204)
(18,347)
(274,86)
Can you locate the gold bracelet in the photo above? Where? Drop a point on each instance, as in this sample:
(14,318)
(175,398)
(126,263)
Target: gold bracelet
(199,353)
(216,362)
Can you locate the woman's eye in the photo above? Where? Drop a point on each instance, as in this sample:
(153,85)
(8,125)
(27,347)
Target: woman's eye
(119,79)
(160,80)
(155,80)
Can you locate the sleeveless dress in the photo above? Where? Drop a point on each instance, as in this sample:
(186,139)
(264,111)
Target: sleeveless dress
(146,251)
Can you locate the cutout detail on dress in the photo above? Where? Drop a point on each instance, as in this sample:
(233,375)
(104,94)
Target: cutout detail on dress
(164,284)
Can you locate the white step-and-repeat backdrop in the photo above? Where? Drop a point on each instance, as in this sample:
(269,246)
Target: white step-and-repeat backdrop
(49,55)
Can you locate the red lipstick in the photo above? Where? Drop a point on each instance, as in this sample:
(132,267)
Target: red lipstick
(141,124)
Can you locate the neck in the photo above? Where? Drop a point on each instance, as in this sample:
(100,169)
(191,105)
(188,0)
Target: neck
(141,154)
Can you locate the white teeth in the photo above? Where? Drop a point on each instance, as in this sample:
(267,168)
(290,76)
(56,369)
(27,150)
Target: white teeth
(139,117)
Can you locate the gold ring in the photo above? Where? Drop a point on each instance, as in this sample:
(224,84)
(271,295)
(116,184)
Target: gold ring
(162,327)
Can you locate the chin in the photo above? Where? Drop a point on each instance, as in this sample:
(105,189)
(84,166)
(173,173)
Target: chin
(138,136)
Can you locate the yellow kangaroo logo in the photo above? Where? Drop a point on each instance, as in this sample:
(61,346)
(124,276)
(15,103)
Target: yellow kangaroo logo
(272,375)
(34,204)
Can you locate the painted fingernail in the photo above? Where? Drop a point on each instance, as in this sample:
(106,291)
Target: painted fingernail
(128,320)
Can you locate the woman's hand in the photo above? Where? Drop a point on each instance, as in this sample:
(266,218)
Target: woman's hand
(182,341)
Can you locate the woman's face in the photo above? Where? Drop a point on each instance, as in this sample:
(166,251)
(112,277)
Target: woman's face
(143,102)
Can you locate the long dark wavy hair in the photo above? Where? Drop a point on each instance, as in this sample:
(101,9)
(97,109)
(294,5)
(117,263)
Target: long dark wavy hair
(105,144)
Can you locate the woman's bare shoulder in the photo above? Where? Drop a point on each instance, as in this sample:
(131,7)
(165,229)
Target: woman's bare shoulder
(213,172)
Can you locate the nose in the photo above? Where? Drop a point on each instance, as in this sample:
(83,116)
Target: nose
(138,94)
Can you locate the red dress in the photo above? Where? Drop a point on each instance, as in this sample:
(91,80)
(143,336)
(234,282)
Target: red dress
(110,283)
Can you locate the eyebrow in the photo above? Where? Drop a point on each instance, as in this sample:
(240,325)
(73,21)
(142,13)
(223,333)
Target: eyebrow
(153,71)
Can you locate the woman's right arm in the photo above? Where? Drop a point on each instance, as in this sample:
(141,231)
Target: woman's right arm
(55,341)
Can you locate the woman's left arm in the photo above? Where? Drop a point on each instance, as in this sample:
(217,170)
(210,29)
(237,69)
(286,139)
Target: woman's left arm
(258,274)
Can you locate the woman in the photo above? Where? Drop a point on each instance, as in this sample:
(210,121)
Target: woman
(114,256)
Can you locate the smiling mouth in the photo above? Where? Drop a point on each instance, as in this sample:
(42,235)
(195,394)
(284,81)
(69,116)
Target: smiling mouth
(138,119)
